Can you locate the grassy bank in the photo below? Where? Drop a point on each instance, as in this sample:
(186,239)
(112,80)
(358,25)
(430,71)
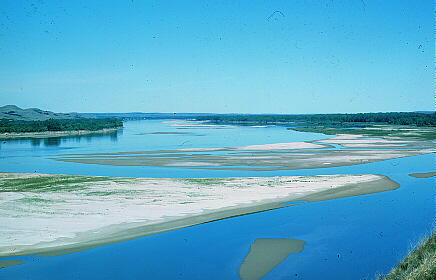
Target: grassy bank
(420,264)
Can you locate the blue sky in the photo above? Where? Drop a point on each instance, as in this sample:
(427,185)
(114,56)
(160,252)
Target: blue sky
(286,57)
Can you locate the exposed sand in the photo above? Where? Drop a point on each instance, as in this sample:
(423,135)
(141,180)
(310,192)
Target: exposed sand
(58,214)
(355,150)
(360,141)
(281,146)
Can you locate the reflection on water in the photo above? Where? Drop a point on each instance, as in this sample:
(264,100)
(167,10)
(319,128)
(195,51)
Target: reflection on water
(34,141)
(266,254)
(57,140)
(52,141)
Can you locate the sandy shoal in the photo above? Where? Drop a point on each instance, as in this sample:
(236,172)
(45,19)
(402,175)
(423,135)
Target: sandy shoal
(361,141)
(91,214)
(355,149)
(423,175)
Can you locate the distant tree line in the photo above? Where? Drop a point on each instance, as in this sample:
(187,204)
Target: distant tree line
(400,118)
(88,124)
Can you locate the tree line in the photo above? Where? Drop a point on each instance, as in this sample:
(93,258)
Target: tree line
(396,118)
(88,124)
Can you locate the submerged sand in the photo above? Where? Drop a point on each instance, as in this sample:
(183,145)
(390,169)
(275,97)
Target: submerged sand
(58,214)
(266,254)
(423,175)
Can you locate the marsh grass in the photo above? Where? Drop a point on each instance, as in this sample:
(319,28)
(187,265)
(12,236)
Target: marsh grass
(26,200)
(47,183)
(205,181)
(420,264)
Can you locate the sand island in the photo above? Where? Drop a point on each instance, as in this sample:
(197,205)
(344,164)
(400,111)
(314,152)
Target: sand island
(58,214)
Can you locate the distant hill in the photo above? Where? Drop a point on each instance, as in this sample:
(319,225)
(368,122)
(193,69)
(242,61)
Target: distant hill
(14,113)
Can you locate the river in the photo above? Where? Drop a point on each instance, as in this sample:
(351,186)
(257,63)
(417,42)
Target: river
(347,238)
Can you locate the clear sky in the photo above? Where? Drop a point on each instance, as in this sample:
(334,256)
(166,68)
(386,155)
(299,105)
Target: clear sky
(307,56)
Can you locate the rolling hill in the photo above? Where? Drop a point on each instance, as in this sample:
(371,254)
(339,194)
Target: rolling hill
(14,113)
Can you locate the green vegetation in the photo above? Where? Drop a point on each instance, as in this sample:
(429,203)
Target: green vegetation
(405,132)
(48,183)
(397,118)
(84,124)
(419,264)
(414,126)
(205,181)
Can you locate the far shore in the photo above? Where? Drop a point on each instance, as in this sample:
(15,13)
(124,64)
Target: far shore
(60,214)
(47,134)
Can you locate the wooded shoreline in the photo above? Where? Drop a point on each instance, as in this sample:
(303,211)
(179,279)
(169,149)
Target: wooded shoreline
(346,120)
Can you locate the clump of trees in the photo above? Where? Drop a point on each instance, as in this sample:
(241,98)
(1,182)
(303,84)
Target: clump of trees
(88,124)
(400,118)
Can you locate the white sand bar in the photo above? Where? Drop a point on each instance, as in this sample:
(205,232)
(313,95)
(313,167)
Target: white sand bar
(61,213)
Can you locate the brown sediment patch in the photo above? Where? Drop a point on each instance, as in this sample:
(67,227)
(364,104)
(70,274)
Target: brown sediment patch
(93,211)
(266,254)
(7,263)
(423,175)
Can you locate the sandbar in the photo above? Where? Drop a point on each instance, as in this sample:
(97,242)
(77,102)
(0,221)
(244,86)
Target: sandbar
(58,214)
(353,150)
(7,263)
(265,254)
(423,175)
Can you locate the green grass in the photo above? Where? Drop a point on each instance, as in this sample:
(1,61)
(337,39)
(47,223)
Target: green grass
(28,200)
(47,183)
(420,264)
(205,181)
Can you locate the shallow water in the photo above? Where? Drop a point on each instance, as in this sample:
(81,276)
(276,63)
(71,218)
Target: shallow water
(348,238)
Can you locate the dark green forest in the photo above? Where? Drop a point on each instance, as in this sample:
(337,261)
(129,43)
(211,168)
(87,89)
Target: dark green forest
(400,118)
(88,124)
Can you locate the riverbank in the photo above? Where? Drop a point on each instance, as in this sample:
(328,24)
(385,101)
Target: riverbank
(59,214)
(420,264)
(48,134)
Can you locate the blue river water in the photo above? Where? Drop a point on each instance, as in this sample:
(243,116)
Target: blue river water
(348,238)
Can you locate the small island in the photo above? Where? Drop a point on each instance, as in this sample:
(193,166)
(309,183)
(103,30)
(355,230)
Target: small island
(60,214)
